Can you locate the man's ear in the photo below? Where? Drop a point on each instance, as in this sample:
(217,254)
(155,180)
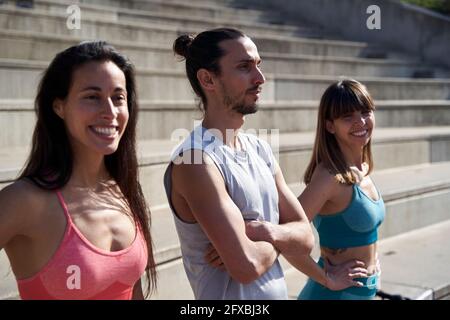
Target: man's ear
(330,126)
(206,79)
(58,108)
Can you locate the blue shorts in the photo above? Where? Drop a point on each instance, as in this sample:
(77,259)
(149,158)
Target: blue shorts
(315,291)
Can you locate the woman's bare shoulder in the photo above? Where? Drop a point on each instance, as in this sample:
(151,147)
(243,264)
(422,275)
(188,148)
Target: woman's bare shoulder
(324,177)
(23,198)
(24,188)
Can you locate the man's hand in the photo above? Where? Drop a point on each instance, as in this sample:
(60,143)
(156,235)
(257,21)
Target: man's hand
(213,258)
(259,230)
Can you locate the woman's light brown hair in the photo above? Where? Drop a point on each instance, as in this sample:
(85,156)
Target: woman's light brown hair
(340,98)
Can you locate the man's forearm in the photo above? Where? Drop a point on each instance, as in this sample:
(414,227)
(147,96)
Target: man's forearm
(292,238)
(261,256)
(264,256)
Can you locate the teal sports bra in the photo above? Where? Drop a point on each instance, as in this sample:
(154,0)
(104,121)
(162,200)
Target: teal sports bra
(355,226)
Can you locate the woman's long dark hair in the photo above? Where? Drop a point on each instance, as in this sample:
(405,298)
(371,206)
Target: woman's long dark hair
(50,162)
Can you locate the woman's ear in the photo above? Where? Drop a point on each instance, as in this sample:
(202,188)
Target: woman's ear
(58,108)
(330,126)
(205,78)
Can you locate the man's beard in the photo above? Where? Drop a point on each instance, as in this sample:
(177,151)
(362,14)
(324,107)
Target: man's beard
(245,108)
(239,105)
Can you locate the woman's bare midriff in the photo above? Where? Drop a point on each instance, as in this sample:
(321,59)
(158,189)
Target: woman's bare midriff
(366,254)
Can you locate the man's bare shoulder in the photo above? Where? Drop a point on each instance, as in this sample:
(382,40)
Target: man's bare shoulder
(195,169)
(192,157)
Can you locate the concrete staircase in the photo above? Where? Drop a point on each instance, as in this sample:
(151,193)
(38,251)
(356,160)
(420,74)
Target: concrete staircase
(411,143)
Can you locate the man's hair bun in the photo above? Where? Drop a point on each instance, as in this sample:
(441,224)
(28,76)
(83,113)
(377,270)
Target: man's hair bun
(182,44)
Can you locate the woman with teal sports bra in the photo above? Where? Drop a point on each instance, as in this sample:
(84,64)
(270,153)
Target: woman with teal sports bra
(341,200)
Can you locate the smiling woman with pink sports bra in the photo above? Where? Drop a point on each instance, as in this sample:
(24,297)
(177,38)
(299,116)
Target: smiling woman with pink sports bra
(75,224)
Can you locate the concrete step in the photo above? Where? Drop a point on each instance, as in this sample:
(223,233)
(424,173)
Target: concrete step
(159,120)
(25,45)
(428,190)
(137,3)
(416,261)
(345,66)
(42,22)
(137,23)
(208,9)
(97,28)
(317,47)
(30,45)
(187,14)
(231,8)
(303,87)
(36,46)
(19,80)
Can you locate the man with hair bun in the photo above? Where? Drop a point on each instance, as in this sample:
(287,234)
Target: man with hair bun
(233,211)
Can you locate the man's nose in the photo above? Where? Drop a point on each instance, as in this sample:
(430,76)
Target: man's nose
(259,77)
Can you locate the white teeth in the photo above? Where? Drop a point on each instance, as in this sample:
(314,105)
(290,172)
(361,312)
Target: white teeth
(106,131)
(359,133)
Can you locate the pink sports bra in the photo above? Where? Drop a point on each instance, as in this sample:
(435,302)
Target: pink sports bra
(80,271)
